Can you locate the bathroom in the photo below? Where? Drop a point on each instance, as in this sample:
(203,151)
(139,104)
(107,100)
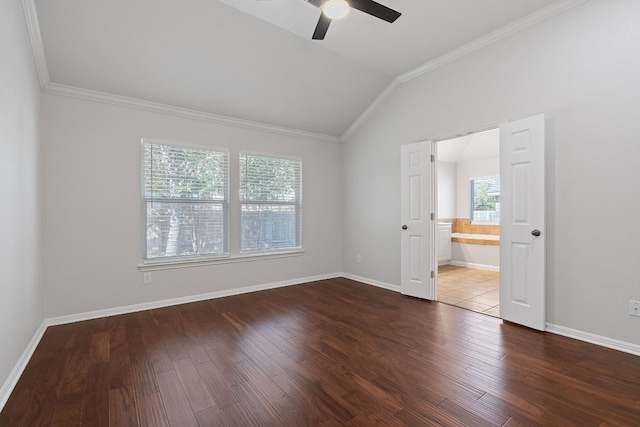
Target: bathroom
(468,246)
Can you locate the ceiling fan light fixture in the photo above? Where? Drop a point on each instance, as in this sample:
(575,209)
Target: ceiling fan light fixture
(335,9)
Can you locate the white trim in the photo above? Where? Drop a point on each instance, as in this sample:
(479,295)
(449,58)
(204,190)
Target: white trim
(453,55)
(156,107)
(17,371)
(370,109)
(33,27)
(171,265)
(614,344)
(14,376)
(182,300)
(372,282)
(472,265)
(493,37)
(37,48)
(47,86)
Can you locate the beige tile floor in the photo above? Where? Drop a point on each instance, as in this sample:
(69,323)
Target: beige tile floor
(470,288)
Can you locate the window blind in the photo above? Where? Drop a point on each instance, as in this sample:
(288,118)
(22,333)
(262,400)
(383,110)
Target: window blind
(270,203)
(185,202)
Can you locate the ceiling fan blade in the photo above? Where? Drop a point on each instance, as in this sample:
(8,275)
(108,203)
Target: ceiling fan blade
(375,9)
(321,27)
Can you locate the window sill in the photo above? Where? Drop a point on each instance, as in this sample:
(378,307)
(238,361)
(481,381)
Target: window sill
(170,265)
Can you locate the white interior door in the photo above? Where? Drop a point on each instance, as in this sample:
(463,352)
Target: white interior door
(416,228)
(522,222)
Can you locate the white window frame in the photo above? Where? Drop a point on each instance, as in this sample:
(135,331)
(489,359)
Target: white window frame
(298,204)
(472,202)
(183,259)
(233,217)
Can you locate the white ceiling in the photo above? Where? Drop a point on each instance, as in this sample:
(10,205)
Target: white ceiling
(472,147)
(254,59)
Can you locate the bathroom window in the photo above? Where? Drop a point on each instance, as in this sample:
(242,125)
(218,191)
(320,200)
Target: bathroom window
(485,200)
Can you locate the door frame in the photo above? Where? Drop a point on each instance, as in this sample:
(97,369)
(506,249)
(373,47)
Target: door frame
(435,193)
(434,189)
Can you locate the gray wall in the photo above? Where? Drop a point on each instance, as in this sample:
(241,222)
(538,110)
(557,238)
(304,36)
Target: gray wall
(91,207)
(21,293)
(581,70)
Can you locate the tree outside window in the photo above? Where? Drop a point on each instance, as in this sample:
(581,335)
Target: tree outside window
(270,203)
(185,203)
(485,200)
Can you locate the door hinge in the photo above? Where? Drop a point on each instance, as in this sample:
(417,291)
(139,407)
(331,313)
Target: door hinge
(433,274)
(433,216)
(433,158)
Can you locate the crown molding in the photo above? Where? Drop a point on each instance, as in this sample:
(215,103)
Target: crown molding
(486,40)
(493,37)
(46,86)
(391,87)
(155,107)
(33,27)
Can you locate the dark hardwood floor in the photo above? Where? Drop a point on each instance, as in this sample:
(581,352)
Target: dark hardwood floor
(334,352)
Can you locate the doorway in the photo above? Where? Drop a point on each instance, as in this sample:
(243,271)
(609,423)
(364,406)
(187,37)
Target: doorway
(468,214)
(522,221)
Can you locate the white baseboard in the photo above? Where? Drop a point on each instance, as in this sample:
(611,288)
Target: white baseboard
(181,300)
(472,265)
(372,282)
(11,382)
(14,376)
(594,339)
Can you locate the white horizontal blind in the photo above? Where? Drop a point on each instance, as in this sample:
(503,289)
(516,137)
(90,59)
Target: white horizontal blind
(185,202)
(270,203)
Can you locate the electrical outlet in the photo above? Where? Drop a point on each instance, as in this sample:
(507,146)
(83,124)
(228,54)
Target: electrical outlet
(634,308)
(358,258)
(146,278)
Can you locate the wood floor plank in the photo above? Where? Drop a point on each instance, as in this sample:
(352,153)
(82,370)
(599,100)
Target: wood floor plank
(212,417)
(154,344)
(256,405)
(144,378)
(216,384)
(123,409)
(120,366)
(330,353)
(95,412)
(311,407)
(151,411)
(179,412)
(261,381)
(68,410)
(237,415)
(99,350)
(197,393)
(291,414)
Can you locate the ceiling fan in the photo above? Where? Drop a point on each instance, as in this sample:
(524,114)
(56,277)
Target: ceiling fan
(335,9)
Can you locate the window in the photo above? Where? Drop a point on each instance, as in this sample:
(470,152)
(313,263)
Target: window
(185,202)
(270,203)
(485,200)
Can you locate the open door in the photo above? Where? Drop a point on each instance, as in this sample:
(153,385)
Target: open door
(417,221)
(522,222)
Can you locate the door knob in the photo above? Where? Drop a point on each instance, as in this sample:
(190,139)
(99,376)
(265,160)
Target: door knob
(535,233)
(404,227)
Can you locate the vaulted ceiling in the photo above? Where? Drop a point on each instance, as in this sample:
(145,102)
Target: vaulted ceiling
(254,60)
